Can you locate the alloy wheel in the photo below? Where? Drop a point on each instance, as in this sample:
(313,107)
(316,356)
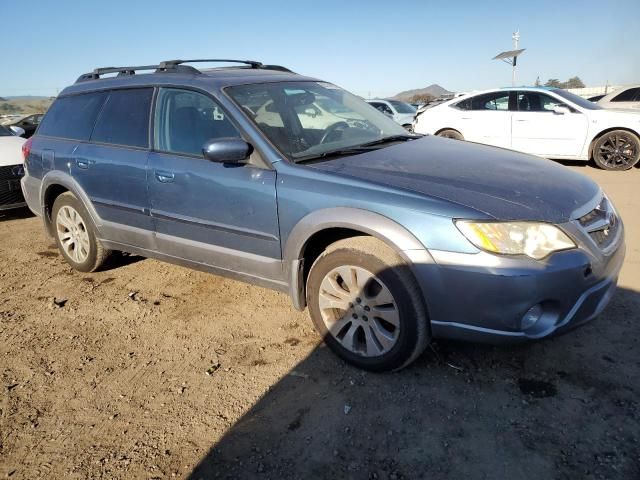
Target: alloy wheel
(618,150)
(73,234)
(359,311)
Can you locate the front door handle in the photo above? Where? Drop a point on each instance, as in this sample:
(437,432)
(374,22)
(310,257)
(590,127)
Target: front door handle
(164,177)
(84,162)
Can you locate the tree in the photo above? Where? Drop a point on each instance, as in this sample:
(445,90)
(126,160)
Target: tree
(574,82)
(553,82)
(421,98)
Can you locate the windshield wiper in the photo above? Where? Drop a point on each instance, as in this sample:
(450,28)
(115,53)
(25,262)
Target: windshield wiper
(335,153)
(392,138)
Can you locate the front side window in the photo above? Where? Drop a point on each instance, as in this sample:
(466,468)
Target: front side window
(72,117)
(537,102)
(186,120)
(309,119)
(124,119)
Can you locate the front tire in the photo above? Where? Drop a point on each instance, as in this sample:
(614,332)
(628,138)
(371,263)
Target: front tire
(75,234)
(450,133)
(617,150)
(366,304)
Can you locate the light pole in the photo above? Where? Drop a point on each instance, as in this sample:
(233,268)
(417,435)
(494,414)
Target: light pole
(511,56)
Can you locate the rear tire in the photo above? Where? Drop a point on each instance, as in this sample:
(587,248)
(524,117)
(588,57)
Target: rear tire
(75,234)
(366,304)
(617,150)
(450,133)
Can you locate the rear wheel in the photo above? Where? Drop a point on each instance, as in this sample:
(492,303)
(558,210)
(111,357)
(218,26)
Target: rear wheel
(366,304)
(450,133)
(75,234)
(617,150)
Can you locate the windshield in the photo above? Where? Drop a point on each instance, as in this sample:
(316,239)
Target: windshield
(581,102)
(402,107)
(309,119)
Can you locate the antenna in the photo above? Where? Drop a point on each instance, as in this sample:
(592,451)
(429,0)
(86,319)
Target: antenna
(511,56)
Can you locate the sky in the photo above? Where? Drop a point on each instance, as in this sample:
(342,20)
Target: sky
(372,48)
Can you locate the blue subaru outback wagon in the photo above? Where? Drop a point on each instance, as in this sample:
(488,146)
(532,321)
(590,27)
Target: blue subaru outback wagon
(292,183)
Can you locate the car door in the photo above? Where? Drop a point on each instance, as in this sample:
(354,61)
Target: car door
(484,118)
(206,212)
(112,166)
(540,128)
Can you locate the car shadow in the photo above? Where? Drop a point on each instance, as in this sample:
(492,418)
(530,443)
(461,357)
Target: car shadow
(15,214)
(563,407)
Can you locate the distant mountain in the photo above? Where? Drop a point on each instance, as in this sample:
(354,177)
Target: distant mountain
(3,99)
(27,97)
(434,90)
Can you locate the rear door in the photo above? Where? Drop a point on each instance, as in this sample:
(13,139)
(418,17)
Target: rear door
(206,212)
(112,167)
(539,130)
(485,119)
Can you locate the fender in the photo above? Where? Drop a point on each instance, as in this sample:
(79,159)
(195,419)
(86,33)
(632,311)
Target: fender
(57,177)
(370,223)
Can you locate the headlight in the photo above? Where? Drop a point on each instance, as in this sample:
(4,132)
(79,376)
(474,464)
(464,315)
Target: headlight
(536,240)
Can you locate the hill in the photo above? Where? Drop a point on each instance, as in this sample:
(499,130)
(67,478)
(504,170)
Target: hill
(24,105)
(434,90)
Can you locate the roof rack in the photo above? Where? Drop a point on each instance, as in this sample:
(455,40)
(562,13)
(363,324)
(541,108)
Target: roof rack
(172,66)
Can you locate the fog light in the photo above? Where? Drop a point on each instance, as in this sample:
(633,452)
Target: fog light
(530,318)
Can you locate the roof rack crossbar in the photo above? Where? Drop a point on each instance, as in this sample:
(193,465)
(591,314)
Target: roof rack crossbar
(174,63)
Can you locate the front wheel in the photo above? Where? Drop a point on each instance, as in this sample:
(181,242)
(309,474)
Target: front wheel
(366,304)
(450,133)
(617,150)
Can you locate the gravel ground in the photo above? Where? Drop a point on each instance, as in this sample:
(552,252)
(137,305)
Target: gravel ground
(148,370)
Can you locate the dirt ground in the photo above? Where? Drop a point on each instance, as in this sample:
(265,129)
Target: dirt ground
(148,370)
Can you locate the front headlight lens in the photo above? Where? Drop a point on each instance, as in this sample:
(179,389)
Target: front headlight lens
(536,240)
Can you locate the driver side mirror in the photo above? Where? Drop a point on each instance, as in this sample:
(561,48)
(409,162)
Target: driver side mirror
(560,110)
(227,150)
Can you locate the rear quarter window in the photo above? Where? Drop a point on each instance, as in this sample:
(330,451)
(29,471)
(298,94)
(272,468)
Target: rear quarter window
(72,117)
(124,119)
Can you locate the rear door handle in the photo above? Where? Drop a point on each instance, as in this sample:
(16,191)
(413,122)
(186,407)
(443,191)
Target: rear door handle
(521,120)
(84,162)
(164,177)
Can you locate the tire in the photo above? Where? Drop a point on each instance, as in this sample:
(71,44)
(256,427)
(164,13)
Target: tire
(347,321)
(616,150)
(449,133)
(75,236)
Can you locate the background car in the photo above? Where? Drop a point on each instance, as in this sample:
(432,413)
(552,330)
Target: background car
(626,98)
(549,122)
(11,169)
(403,113)
(595,98)
(29,123)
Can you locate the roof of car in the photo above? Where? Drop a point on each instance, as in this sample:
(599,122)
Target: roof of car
(214,78)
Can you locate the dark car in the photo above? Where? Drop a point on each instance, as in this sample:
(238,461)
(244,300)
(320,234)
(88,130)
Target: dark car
(28,123)
(390,238)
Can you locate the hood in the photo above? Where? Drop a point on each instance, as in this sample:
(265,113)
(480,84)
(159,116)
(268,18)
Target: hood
(501,183)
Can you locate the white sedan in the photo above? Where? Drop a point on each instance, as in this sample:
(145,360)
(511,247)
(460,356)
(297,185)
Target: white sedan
(11,169)
(548,122)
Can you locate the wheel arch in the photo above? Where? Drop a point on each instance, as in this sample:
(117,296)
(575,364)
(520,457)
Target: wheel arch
(56,183)
(604,132)
(313,233)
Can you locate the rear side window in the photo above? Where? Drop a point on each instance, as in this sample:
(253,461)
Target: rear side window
(628,95)
(124,119)
(72,117)
(185,120)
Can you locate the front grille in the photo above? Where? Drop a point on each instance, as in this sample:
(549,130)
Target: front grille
(601,223)
(10,191)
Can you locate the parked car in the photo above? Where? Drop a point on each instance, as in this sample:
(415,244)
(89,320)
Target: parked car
(391,239)
(29,123)
(548,122)
(624,98)
(401,112)
(11,169)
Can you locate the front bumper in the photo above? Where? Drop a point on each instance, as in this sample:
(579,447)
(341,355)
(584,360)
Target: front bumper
(483,297)
(10,191)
